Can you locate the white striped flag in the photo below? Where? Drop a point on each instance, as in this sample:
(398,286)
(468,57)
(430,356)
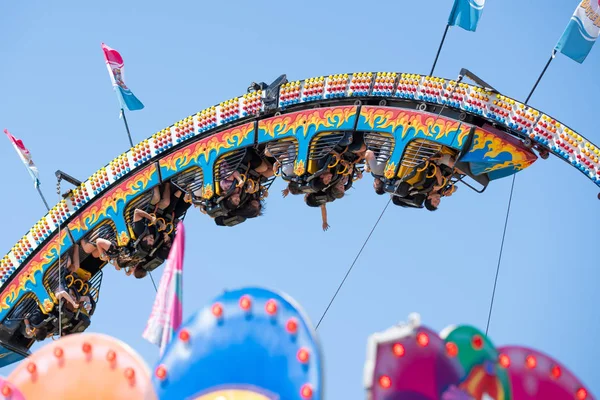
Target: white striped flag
(25,156)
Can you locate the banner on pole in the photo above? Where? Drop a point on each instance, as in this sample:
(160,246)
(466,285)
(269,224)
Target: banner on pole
(167,310)
(581,32)
(116,70)
(25,156)
(466,14)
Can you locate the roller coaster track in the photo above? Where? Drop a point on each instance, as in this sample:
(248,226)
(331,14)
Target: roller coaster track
(367,102)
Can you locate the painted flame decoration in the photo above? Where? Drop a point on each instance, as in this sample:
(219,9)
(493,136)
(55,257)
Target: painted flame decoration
(299,167)
(390,170)
(207,191)
(101,207)
(319,119)
(495,145)
(462,135)
(179,159)
(47,255)
(203,149)
(516,165)
(123,238)
(413,122)
(48,305)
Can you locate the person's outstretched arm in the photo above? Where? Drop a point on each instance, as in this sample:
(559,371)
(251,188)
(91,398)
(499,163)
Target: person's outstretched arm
(324,216)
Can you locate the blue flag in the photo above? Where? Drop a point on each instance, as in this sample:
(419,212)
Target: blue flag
(466,14)
(582,31)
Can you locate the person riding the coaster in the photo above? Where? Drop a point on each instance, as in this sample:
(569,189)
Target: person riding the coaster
(434,197)
(325,170)
(426,183)
(36,325)
(243,200)
(447,167)
(252,206)
(73,319)
(103,249)
(320,200)
(158,206)
(144,228)
(333,177)
(353,146)
(180,202)
(415,188)
(288,153)
(376,160)
(329,194)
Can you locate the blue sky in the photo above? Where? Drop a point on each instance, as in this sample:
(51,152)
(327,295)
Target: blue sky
(187,55)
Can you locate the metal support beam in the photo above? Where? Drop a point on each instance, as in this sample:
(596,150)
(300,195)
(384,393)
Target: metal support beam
(466,73)
(61,175)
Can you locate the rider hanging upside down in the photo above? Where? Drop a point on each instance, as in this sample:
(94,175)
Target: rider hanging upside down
(241,198)
(332,192)
(103,249)
(107,250)
(39,327)
(377,169)
(429,181)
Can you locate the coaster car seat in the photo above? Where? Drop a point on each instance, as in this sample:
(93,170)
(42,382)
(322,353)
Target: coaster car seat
(229,221)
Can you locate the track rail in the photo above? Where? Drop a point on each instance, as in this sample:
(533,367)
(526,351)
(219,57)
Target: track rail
(235,123)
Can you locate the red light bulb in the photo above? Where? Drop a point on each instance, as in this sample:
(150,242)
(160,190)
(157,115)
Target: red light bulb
(184,335)
(245,303)
(271,307)
(531,362)
(303,355)
(422,339)
(161,372)
(477,342)
(6,391)
(385,382)
(504,360)
(217,310)
(292,326)
(87,348)
(398,350)
(31,368)
(111,356)
(451,349)
(129,373)
(306,391)
(581,394)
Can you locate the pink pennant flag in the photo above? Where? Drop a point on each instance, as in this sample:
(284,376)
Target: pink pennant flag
(25,156)
(167,310)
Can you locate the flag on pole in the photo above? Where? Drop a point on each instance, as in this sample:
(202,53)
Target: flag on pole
(166,314)
(581,32)
(466,14)
(116,70)
(25,156)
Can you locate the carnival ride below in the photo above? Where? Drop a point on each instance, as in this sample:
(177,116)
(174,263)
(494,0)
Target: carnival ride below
(311,133)
(256,344)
